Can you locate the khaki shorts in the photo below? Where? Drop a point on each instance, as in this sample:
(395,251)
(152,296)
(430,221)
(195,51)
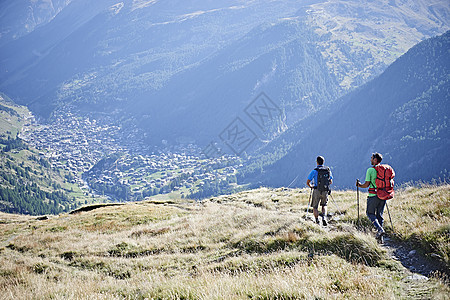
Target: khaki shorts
(317,197)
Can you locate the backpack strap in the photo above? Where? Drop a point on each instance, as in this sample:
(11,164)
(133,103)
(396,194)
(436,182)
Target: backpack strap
(373,190)
(317,176)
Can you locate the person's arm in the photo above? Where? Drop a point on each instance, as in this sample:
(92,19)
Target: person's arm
(369,175)
(364,185)
(310,178)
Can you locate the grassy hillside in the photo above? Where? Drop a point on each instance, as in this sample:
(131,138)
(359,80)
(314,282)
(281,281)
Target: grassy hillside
(256,244)
(12,117)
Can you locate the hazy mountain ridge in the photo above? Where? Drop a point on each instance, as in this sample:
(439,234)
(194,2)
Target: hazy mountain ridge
(366,37)
(403,114)
(20,17)
(132,52)
(233,78)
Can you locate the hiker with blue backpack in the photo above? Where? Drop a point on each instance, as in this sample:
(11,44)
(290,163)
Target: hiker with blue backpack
(319,180)
(380,181)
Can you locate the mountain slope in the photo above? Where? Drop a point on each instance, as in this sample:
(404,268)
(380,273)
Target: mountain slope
(219,89)
(176,59)
(403,114)
(20,17)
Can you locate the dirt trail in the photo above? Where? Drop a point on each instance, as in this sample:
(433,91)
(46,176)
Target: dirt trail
(411,259)
(418,269)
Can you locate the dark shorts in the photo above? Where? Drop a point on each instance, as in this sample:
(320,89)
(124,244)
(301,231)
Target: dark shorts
(317,197)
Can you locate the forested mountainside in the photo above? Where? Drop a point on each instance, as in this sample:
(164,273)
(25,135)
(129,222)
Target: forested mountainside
(164,84)
(403,114)
(186,69)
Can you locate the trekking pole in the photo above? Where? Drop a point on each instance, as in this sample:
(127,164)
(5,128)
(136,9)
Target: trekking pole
(357,199)
(307,210)
(293,181)
(335,203)
(392,225)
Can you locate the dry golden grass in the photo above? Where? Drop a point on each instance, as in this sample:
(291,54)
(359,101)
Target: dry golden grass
(421,216)
(258,244)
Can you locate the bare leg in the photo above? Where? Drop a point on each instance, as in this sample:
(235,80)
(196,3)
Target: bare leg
(324,211)
(316,214)
(324,215)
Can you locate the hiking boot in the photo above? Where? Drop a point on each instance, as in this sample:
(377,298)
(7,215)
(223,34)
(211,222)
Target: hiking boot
(317,222)
(380,236)
(324,222)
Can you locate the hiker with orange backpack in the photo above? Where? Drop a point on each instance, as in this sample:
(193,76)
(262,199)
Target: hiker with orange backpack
(380,181)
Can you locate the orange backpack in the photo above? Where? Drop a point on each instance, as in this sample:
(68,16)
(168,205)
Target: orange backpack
(384,182)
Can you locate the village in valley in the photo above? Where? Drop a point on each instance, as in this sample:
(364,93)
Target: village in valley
(111,161)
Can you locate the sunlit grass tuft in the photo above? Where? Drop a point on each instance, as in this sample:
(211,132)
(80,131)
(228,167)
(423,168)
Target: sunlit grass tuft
(238,246)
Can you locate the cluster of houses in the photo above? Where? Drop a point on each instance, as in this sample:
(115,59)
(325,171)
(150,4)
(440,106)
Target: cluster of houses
(164,172)
(72,143)
(77,144)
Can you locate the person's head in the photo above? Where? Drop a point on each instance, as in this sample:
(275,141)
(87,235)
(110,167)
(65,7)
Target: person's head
(376,158)
(320,160)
